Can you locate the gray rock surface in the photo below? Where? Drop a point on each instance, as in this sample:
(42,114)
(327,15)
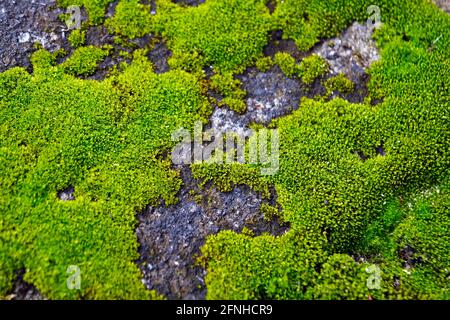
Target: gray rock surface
(171,237)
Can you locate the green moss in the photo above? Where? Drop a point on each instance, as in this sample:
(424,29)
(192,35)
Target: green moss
(95,8)
(270,212)
(339,83)
(103,138)
(286,63)
(244,267)
(84,60)
(228,34)
(131,19)
(339,194)
(77,38)
(264,63)
(230,89)
(341,278)
(331,196)
(312,67)
(228,176)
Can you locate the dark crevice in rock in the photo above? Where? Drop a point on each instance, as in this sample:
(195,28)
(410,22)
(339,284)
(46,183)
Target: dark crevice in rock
(409,257)
(159,56)
(193,3)
(380,150)
(171,237)
(278,44)
(67,194)
(271,5)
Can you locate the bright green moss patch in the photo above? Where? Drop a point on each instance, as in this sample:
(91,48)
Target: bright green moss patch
(337,189)
(84,60)
(105,139)
(77,38)
(230,88)
(312,67)
(339,83)
(244,267)
(264,63)
(363,188)
(131,19)
(286,63)
(229,34)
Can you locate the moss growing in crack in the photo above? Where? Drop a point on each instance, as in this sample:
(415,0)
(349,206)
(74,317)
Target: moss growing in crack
(312,67)
(105,139)
(84,60)
(339,83)
(228,176)
(270,212)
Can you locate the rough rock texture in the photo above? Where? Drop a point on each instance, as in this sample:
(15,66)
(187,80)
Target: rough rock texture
(269,95)
(171,237)
(24,22)
(351,53)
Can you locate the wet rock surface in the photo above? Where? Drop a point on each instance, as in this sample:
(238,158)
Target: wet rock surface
(171,237)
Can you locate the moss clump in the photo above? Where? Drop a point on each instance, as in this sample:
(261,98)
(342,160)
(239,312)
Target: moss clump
(77,38)
(243,267)
(270,212)
(312,67)
(84,60)
(131,19)
(228,176)
(229,88)
(228,34)
(287,63)
(105,139)
(339,83)
(264,63)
